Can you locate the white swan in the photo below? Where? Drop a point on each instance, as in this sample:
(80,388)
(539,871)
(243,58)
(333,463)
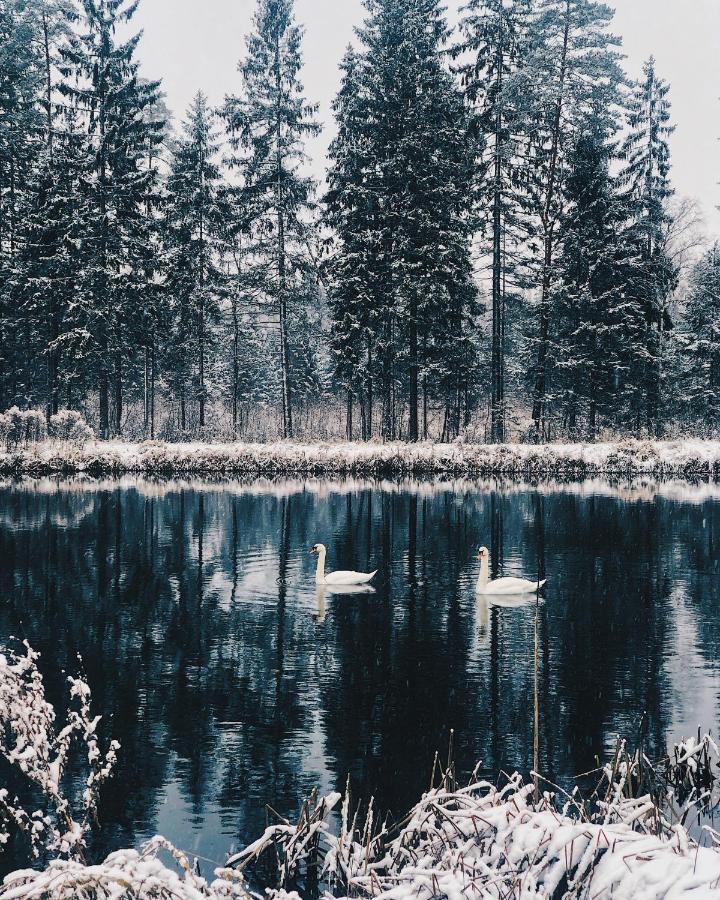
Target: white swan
(502,585)
(337,577)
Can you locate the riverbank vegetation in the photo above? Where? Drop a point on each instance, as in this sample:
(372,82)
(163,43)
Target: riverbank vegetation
(496,250)
(639,832)
(628,458)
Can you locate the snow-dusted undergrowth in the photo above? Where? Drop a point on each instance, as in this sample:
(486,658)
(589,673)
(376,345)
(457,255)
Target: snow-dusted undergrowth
(458,842)
(680,458)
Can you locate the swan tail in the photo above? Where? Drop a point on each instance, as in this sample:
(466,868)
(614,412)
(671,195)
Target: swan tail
(541,583)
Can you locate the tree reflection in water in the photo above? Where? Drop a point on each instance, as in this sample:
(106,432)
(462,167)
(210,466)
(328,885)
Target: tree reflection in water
(231,684)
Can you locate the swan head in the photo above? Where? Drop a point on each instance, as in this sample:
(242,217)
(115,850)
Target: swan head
(483,553)
(317,548)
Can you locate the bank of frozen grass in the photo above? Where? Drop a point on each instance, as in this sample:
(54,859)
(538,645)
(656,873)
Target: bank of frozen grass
(689,458)
(520,840)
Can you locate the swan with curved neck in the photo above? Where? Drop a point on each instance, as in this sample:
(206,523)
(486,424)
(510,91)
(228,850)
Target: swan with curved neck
(508,585)
(320,551)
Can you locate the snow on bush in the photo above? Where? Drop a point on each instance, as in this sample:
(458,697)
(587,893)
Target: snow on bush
(30,741)
(22,427)
(681,458)
(69,426)
(458,842)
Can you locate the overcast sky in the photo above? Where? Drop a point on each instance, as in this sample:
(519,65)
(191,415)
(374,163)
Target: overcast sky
(195,45)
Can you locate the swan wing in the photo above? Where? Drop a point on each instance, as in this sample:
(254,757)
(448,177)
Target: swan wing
(512,585)
(349,577)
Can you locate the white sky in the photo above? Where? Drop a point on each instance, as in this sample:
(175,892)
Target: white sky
(195,45)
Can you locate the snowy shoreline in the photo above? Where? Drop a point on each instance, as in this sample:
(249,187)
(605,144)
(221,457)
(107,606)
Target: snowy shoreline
(478,841)
(690,458)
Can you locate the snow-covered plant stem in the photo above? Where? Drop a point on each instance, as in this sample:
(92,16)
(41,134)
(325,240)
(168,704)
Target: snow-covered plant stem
(30,741)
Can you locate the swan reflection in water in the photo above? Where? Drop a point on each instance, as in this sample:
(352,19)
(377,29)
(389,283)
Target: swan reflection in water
(322,590)
(512,601)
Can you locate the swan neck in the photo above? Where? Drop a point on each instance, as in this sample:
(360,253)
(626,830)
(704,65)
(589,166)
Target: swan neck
(320,571)
(483,576)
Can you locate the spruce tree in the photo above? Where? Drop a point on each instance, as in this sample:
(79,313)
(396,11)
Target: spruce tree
(596,314)
(701,337)
(101,81)
(494,41)
(647,176)
(413,177)
(355,270)
(193,232)
(573,58)
(21,143)
(268,123)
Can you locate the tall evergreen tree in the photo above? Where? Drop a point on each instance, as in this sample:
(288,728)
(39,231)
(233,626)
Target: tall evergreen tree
(494,41)
(407,190)
(597,317)
(101,80)
(194,230)
(356,271)
(701,336)
(647,175)
(268,124)
(21,142)
(572,59)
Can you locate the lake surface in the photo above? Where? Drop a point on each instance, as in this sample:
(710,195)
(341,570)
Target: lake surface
(231,682)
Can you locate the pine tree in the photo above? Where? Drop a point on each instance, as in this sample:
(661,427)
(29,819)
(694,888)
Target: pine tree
(494,40)
(701,337)
(21,143)
(597,317)
(356,277)
(101,80)
(402,199)
(50,262)
(193,233)
(572,58)
(268,124)
(647,175)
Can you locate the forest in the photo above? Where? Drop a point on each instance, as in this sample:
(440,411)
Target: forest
(496,250)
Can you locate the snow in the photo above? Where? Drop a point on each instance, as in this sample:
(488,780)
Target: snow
(476,841)
(678,458)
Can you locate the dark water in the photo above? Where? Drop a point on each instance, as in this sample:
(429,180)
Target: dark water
(231,683)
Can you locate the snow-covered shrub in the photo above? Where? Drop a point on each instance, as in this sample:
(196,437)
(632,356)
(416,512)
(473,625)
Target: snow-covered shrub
(514,841)
(70,426)
(35,426)
(14,427)
(31,742)
(131,874)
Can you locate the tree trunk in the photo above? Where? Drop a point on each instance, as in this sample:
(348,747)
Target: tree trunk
(369,395)
(540,391)
(497,409)
(146,391)
(284,355)
(201,358)
(104,398)
(152,388)
(413,430)
(118,392)
(349,417)
(53,398)
(235,363)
